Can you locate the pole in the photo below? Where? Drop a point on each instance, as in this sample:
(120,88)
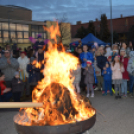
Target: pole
(111,22)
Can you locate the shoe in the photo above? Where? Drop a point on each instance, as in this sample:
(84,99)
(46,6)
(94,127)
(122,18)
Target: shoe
(87,95)
(119,97)
(125,96)
(108,91)
(96,88)
(104,94)
(116,97)
(92,95)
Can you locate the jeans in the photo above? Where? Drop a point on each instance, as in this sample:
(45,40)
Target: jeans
(124,87)
(100,82)
(108,86)
(90,86)
(131,83)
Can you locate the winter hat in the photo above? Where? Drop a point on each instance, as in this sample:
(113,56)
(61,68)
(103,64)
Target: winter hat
(32,59)
(92,47)
(109,57)
(39,36)
(89,62)
(23,52)
(16,73)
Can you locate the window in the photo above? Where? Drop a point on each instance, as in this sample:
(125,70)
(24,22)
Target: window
(19,27)
(0,40)
(13,35)
(41,29)
(14,40)
(26,40)
(19,35)
(34,28)
(5,40)
(20,40)
(5,34)
(25,27)
(0,26)
(33,34)
(4,26)
(26,35)
(12,27)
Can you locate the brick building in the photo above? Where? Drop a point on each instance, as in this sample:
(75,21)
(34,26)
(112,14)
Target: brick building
(120,25)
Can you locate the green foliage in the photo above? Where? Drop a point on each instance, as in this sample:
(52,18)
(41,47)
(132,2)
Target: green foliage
(115,36)
(104,31)
(91,27)
(81,32)
(131,33)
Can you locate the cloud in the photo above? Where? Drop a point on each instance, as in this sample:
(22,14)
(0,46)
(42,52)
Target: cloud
(75,10)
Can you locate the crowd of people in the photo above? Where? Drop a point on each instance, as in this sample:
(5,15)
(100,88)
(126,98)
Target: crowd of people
(109,69)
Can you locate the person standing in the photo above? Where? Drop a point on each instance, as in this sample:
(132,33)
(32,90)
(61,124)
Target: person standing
(8,67)
(84,57)
(124,61)
(23,61)
(89,78)
(117,69)
(17,87)
(130,69)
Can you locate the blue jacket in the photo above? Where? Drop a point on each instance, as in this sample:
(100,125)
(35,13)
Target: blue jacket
(88,56)
(108,75)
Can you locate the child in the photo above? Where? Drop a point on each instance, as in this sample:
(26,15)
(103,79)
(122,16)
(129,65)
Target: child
(107,73)
(124,61)
(5,93)
(77,74)
(89,78)
(117,69)
(17,87)
(98,75)
(109,59)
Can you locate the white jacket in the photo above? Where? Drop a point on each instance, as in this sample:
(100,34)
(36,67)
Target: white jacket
(23,64)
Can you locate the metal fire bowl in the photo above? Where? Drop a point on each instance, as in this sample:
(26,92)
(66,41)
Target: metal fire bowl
(72,128)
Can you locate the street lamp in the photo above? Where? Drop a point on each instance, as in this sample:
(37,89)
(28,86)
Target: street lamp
(111,22)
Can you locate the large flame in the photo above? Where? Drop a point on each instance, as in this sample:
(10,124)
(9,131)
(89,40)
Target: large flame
(61,103)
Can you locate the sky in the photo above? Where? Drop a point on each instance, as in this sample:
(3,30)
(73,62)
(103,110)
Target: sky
(74,10)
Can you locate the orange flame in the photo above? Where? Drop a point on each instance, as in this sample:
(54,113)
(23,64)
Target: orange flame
(61,103)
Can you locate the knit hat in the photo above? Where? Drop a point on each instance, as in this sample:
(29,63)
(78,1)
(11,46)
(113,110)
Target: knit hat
(89,62)
(109,57)
(23,52)
(16,73)
(92,47)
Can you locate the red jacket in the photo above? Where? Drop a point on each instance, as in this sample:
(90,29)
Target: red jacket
(124,61)
(2,86)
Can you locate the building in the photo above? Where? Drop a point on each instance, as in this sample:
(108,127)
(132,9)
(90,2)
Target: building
(120,25)
(16,26)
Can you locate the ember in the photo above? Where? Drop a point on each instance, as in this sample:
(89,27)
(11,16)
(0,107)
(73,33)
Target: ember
(61,103)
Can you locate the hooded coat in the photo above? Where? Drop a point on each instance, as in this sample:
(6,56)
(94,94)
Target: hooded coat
(130,67)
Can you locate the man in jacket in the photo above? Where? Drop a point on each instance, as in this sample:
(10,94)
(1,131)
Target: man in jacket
(8,67)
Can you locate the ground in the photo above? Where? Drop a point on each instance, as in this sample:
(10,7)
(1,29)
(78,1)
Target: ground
(113,116)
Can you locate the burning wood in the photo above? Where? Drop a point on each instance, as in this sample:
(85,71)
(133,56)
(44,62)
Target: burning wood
(61,104)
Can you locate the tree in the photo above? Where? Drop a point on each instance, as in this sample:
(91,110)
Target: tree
(115,36)
(81,32)
(131,33)
(91,27)
(104,31)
